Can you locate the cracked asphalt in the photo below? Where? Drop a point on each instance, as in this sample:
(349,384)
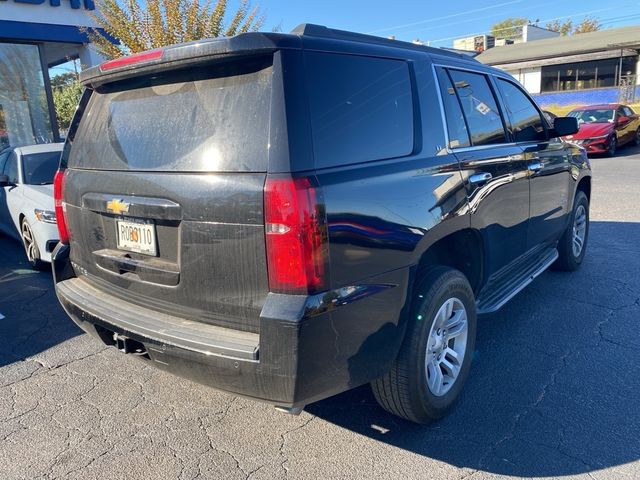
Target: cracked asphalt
(554,390)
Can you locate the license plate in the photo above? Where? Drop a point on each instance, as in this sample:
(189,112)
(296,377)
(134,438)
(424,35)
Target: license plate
(137,236)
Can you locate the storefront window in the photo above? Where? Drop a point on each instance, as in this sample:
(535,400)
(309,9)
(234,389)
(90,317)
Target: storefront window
(24,108)
(584,75)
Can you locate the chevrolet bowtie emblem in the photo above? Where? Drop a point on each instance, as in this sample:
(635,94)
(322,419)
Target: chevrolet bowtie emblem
(117,206)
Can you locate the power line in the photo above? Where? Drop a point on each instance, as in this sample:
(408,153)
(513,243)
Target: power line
(431,20)
(613,19)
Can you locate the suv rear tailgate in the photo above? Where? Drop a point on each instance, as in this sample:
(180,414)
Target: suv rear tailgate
(183,156)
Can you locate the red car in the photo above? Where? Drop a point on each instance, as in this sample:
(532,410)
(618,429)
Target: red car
(604,128)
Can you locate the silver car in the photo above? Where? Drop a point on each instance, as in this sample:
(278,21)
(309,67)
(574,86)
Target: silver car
(26,198)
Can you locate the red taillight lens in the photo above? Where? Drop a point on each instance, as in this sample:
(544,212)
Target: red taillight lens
(296,236)
(132,59)
(60,207)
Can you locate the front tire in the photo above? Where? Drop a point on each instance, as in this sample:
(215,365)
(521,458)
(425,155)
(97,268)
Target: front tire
(30,245)
(613,147)
(435,357)
(573,244)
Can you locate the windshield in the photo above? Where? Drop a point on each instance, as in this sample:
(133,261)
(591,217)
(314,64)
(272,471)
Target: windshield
(40,168)
(599,115)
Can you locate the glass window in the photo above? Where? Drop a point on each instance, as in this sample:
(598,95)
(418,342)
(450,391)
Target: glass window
(24,108)
(39,168)
(208,119)
(11,168)
(456,126)
(594,115)
(480,108)
(628,111)
(361,108)
(525,119)
(584,75)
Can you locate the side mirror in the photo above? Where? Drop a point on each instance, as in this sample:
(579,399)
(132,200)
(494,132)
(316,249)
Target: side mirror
(623,120)
(4,181)
(563,126)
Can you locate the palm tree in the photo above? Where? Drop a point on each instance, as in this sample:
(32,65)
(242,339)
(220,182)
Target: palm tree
(158,23)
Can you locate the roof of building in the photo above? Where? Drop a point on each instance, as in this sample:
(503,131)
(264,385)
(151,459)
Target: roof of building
(610,39)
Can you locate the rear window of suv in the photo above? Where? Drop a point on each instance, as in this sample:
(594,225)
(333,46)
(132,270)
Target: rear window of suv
(361,108)
(214,118)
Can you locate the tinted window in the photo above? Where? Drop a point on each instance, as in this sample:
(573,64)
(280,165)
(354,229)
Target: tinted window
(526,122)
(628,111)
(208,119)
(39,168)
(361,108)
(458,133)
(480,108)
(11,168)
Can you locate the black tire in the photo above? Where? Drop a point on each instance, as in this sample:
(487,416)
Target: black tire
(30,246)
(404,390)
(636,140)
(613,147)
(567,259)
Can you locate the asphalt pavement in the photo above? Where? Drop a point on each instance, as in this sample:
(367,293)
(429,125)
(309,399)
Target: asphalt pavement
(554,389)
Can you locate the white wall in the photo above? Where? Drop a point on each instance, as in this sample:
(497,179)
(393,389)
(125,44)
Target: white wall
(530,78)
(531,33)
(45,13)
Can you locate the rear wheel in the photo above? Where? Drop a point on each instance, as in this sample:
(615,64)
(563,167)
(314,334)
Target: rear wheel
(613,147)
(30,245)
(435,357)
(573,244)
(636,139)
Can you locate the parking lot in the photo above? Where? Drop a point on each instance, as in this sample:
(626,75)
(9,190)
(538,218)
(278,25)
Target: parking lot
(554,390)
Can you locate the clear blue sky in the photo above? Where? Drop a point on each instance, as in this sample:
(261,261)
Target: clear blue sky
(438,21)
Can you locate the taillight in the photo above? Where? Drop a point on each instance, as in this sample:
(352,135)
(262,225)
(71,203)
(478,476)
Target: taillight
(132,59)
(296,236)
(60,206)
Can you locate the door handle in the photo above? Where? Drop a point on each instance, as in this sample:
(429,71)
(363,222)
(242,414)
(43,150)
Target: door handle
(480,178)
(535,167)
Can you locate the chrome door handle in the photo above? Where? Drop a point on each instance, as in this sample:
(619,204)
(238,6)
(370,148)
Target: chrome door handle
(535,167)
(480,178)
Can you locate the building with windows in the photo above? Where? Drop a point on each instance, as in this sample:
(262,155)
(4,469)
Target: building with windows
(36,35)
(595,67)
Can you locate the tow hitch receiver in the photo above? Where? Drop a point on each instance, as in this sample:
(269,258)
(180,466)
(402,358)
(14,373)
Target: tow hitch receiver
(127,345)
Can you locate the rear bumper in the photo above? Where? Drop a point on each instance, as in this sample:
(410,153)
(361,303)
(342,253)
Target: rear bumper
(308,348)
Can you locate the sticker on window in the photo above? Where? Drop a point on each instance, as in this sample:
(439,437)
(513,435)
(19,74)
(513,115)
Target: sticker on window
(483,108)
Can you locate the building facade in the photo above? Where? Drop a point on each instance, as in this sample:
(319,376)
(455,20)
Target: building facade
(36,35)
(595,67)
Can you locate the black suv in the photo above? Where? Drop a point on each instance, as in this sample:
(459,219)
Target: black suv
(288,216)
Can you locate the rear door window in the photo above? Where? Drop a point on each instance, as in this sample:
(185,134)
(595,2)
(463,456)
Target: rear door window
(214,118)
(480,108)
(456,125)
(361,108)
(526,121)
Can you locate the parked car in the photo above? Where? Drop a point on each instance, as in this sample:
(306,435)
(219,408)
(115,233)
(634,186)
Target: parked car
(331,209)
(604,128)
(26,198)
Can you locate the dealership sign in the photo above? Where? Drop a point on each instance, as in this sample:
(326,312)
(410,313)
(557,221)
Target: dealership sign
(87,4)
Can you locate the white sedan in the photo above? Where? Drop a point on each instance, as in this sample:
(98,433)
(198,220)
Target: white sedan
(26,198)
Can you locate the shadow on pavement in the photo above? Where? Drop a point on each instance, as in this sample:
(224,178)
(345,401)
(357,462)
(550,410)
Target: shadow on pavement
(33,319)
(555,383)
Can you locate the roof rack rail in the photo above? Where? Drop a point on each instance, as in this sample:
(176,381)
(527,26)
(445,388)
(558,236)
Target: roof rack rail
(313,30)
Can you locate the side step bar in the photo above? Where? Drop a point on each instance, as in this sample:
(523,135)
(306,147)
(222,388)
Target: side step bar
(508,283)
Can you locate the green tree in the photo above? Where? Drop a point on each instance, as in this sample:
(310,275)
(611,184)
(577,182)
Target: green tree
(140,26)
(588,24)
(63,79)
(65,100)
(564,28)
(508,28)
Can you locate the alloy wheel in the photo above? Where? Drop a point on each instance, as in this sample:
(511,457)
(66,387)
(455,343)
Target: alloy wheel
(579,230)
(446,346)
(30,246)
